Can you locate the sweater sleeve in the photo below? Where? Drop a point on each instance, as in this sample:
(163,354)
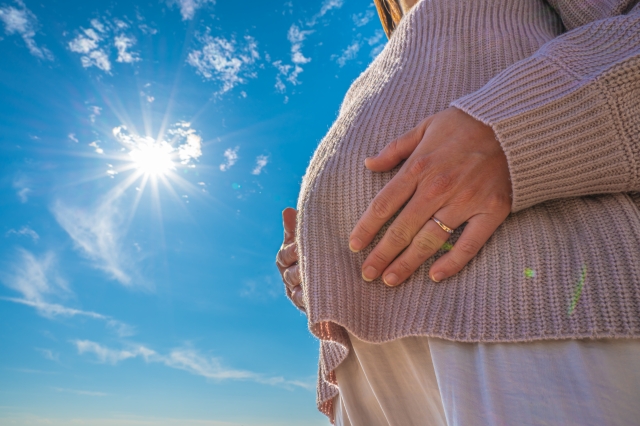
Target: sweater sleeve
(568,117)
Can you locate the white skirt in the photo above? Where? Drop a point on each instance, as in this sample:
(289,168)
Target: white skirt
(429,381)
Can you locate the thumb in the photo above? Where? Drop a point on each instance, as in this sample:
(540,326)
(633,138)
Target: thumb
(398,150)
(289,216)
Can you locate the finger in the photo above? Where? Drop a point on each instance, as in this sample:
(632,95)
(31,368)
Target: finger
(398,150)
(388,201)
(289,216)
(399,235)
(474,236)
(297,295)
(424,245)
(292,277)
(287,255)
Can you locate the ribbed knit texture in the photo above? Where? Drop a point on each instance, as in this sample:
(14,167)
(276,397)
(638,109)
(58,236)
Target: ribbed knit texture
(565,108)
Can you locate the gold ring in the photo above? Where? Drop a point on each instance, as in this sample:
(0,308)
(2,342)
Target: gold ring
(444,227)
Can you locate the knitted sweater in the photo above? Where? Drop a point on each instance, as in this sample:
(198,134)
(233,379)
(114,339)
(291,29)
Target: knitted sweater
(559,83)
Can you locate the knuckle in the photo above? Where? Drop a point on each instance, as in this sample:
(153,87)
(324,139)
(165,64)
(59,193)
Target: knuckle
(440,184)
(379,257)
(404,267)
(381,208)
(426,244)
(453,264)
(468,247)
(498,202)
(399,235)
(393,147)
(419,165)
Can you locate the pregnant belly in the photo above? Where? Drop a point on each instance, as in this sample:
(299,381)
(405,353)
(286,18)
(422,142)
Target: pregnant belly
(427,64)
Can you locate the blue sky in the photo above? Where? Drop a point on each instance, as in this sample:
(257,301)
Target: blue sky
(147,151)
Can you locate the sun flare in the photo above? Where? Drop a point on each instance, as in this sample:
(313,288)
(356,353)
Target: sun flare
(153,158)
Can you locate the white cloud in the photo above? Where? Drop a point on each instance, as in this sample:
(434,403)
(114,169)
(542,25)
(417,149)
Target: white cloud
(186,359)
(362,19)
(98,59)
(96,147)
(376,50)
(231,156)
(296,37)
(72,137)
(327,5)
(25,231)
(184,145)
(85,43)
(122,43)
(95,112)
(95,44)
(35,277)
(348,54)
(378,41)
(37,280)
(225,60)
(261,162)
(97,234)
(22,185)
(22,21)
(375,38)
(188,8)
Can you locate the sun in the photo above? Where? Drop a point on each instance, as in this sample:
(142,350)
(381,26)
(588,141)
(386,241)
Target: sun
(153,158)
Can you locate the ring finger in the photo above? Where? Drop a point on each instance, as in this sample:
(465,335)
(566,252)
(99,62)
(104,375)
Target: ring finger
(424,245)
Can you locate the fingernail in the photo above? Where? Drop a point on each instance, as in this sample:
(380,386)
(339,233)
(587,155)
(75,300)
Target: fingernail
(370,273)
(355,245)
(438,276)
(390,280)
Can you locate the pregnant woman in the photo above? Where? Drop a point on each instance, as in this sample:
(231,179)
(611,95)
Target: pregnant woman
(467,241)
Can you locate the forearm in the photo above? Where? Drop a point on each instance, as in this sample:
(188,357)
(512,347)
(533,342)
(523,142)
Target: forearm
(568,118)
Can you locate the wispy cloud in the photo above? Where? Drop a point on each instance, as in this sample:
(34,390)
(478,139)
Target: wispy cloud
(348,54)
(25,231)
(377,42)
(123,43)
(262,288)
(261,162)
(20,20)
(49,354)
(80,392)
(362,19)
(327,5)
(21,183)
(231,156)
(38,280)
(188,8)
(95,112)
(225,60)
(297,35)
(186,359)
(97,234)
(96,43)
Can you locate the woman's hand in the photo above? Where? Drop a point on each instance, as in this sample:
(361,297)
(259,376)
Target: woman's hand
(287,258)
(455,171)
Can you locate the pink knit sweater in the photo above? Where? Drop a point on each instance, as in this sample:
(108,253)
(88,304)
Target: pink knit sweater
(560,85)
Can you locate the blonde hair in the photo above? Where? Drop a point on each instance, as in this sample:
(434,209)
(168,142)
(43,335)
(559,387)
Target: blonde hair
(390,14)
